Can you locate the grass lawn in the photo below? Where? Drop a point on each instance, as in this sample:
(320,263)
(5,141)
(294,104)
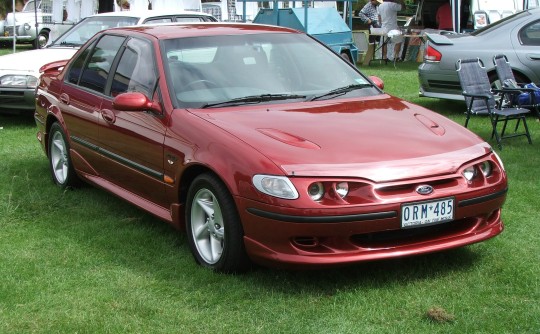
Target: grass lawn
(84,261)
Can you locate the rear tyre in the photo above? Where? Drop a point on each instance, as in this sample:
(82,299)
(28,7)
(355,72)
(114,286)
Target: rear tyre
(346,56)
(62,171)
(213,227)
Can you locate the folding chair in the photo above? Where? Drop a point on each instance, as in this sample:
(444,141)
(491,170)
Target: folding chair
(507,79)
(481,100)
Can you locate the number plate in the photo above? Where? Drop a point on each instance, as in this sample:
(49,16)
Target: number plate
(427,213)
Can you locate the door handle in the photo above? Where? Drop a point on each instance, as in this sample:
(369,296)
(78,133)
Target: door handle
(108,116)
(534,56)
(64,98)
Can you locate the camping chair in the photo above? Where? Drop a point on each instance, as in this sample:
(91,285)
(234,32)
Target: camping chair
(481,100)
(507,79)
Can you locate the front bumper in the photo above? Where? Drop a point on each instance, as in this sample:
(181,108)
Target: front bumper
(22,39)
(304,238)
(16,100)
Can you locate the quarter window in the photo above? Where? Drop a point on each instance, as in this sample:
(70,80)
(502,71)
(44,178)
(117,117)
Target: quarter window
(530,35)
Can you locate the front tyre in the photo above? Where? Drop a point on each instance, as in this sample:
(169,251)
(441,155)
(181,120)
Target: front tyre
(214,231)
(60,164)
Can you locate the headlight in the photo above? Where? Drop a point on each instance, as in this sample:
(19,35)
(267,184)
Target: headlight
(27,26)
(277,186)
(486,168)
(24,81)
(342,189)
(316,191)
(469,173)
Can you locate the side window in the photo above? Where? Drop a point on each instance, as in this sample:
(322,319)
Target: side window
(97,68)
(78,64)
(189,19)
(158,20)
(136,70)
(530,35)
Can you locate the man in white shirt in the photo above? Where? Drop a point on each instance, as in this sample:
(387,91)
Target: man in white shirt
(388,11)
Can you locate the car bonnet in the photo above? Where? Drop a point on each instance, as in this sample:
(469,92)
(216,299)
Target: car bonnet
(381,138)
(29,62)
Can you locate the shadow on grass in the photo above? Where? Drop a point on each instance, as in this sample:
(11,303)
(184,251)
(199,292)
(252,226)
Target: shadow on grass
(15,118)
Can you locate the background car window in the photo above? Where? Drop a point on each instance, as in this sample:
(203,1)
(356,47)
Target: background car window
(530,35)
(189,19)
(136,69)
(159,20)
(96,71)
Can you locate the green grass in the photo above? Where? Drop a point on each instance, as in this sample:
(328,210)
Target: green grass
(84,261)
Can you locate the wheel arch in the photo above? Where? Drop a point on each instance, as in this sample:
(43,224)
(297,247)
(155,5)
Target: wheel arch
(519,75)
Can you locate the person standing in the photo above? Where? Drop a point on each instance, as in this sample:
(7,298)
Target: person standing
(369,15)
(388,11)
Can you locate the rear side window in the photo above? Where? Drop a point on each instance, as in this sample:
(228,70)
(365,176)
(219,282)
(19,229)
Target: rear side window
(530,34)
(96,71)
(159,20)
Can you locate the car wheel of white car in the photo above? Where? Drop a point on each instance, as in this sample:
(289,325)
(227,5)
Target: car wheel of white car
(43,39)
(213,226)
(62,170)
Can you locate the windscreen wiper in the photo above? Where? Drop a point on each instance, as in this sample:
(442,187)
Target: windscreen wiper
(254,99)
(341,91)
(68,44)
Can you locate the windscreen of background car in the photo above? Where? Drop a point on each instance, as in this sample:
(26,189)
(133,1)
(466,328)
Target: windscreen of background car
(84,30)
(220,68)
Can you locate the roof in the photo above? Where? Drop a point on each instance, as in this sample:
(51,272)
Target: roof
(176,30)
(151,13)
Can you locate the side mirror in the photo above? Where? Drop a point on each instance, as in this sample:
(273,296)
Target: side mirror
(377,81)
(135,101)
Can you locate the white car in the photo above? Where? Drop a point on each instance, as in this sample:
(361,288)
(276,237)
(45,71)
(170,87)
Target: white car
(19,72)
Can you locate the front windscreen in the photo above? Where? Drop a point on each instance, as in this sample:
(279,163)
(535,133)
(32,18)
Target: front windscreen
(254,68)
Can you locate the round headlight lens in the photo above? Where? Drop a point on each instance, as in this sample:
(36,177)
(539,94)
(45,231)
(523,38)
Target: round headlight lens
(342,189)
(486,168)
(316,191)
(469,173)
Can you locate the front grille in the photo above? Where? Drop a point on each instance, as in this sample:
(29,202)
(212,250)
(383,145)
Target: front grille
(410,236)
(9,30)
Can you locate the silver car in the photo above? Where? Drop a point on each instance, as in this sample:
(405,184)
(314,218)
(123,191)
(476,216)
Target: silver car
(516,36)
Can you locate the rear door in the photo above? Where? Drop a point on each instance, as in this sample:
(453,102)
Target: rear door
(527,45)
(82,95)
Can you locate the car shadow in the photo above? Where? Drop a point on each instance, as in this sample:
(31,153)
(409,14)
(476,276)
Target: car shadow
(375,274)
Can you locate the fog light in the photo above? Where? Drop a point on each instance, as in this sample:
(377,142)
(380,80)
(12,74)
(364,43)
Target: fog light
(469,173)
(316,191)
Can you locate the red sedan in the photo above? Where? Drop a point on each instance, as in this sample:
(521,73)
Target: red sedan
(265,146)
